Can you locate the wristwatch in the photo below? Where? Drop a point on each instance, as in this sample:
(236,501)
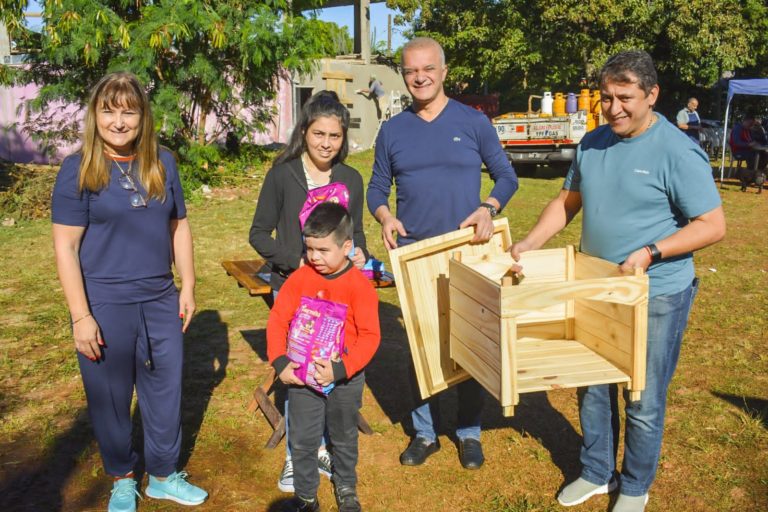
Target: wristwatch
(491,209)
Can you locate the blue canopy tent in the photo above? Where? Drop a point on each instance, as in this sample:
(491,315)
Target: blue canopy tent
(749,86)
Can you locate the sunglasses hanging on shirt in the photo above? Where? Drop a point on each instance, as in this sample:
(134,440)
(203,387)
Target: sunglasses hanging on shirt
(126,183)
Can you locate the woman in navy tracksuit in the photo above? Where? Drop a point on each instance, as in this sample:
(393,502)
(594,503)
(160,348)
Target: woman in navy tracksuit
(119,223)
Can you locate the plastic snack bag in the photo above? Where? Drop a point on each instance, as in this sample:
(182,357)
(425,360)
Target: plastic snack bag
(316,332)
(331,193)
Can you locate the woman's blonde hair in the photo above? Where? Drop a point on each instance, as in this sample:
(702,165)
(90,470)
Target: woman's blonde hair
(120,90)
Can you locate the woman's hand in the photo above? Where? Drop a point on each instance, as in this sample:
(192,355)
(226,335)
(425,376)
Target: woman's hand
(88,337)
(187,307)
(358,259)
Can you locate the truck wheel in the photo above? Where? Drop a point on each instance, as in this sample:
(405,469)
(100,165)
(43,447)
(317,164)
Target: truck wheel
(525,170)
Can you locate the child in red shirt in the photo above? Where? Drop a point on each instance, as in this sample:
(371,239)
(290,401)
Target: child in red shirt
(331,276)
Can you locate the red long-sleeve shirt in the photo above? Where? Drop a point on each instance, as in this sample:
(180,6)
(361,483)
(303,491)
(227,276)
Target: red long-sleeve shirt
(362,333)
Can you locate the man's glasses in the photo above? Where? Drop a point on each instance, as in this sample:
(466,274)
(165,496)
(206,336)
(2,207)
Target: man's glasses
(126,183)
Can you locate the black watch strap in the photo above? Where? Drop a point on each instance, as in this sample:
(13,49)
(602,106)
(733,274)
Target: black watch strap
(491,209)
(655,253)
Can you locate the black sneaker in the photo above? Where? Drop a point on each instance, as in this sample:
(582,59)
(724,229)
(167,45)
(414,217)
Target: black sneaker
(299,504)
(346,499)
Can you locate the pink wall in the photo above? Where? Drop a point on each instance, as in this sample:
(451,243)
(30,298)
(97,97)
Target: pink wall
(18,146)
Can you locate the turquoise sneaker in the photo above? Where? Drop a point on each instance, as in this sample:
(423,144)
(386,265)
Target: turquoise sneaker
(123,497)
(176,488)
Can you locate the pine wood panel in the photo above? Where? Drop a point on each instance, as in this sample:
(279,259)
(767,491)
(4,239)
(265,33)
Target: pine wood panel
(589,267)
(546,330)
(482,347)
(464,356)
(478,315)
(423,270)
(519,300)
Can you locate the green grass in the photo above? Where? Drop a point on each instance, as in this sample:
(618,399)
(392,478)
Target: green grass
(716,440)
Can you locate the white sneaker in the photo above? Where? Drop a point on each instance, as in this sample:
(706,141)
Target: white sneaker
(285,482)
(324,463)
(581,490)
(630,503)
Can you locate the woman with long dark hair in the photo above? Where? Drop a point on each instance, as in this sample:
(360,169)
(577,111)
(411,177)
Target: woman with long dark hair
(314,157)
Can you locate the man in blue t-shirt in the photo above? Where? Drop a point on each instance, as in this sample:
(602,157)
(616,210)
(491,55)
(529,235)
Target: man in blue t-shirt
(433,152)
(648,202)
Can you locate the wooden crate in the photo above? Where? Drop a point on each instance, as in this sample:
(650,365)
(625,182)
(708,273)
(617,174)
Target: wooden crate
(572,321)
(421,274)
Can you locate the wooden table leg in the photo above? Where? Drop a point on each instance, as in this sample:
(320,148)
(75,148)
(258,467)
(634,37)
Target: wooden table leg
(362,425)
(261,400)
(274,417)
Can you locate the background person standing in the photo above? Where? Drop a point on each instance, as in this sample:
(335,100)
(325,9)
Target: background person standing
(689,121)
(376,92)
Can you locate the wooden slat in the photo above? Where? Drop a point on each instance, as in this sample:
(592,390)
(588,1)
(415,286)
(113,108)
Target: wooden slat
(482,318)
(620,359)
(244,272)
(519,300)
(546,330)
(619,312)
(639,348)
(562,367)
(526,345)
(492,266)
(607,376)
(481,346)
(509,365)
(582,367)
(556,312)
(589,267)
(476,367)
(480,288)
(570,275)
(543,266)
(615,333)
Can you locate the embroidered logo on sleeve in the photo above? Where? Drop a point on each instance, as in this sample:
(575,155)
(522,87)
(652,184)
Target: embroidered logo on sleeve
(641,171)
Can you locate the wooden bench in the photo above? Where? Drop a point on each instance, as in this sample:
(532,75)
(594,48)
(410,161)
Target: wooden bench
(246,273)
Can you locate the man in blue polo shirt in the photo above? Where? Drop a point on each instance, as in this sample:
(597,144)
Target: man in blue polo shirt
(648,201)
(433,152)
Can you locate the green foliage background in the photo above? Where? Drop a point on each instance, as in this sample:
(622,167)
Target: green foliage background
(522,47)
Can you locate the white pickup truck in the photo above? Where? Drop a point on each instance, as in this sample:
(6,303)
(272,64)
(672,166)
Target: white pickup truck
(530,139)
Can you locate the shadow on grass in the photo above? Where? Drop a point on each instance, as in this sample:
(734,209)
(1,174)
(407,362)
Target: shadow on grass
(277,505)
(389,374)
(391,379)
(755,407)
(206,356)
(39,486)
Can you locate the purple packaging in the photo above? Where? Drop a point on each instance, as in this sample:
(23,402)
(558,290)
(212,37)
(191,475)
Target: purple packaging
(316,332)
(331,193)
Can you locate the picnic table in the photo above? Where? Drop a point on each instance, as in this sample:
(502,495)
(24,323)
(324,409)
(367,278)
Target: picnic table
(246,273)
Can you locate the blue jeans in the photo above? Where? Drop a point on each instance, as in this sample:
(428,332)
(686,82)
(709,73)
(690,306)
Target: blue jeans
(599,412)
(470,405)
